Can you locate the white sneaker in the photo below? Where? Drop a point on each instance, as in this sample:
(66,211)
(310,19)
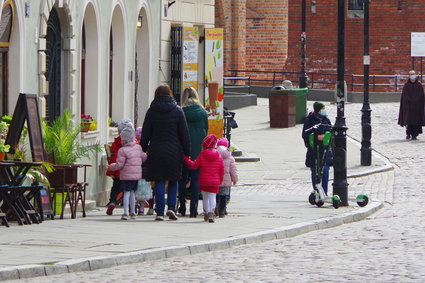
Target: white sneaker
(133,216)
(124,217)
(171,215)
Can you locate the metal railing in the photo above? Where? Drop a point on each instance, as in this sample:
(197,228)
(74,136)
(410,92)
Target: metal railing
(378,83)
(233,82)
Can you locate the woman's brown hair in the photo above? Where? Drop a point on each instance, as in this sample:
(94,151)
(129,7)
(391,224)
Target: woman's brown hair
(163,90)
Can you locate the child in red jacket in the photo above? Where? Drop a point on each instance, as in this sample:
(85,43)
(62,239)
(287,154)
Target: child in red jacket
(211,174)
(114,198)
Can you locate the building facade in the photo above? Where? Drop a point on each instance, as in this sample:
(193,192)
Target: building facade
(102,58)
(188,13)
(256,34)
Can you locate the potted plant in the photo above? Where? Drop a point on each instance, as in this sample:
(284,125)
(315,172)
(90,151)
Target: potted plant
(93,125)
(62,139)
(3,149)
(86,121)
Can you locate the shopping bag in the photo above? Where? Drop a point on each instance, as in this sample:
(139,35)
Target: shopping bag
(144,191)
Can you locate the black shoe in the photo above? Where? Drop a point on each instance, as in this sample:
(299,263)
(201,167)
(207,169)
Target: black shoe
(182,211)
(407,137)
(193,214)
(414,138)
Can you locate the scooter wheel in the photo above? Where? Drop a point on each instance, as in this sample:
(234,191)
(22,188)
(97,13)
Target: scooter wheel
(336,203)
(320,203)
(312,198)
(364,198)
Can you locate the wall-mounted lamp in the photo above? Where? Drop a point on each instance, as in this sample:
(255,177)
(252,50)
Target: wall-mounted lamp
(313,7)
(166,6)
(171,3)
(139,22)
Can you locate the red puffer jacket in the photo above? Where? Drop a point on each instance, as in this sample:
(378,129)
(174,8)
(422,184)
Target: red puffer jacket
(212,169)
(116,145)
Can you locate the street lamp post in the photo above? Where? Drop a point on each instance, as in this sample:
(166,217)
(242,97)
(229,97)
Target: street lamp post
(340,185)
(303,75)
(365,151)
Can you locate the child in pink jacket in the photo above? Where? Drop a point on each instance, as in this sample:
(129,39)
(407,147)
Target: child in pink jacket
(230,176)
(129,162)
(211,174)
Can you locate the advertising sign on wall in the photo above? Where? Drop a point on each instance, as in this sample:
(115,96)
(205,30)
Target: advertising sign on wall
(417,47)
(214,89)
(190,57)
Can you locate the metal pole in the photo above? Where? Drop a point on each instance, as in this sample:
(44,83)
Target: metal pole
(340,185)
(303,75)
(366,151)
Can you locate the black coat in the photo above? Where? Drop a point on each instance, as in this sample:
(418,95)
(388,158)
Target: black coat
(311,120)
(165,138)
(412,104)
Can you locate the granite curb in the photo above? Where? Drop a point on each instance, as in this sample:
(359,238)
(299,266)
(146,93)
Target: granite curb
(93,263)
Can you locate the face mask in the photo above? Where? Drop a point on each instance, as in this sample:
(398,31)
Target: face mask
(323,112)
(413,77)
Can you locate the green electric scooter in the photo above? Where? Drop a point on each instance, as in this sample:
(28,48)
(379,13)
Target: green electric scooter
(318,196)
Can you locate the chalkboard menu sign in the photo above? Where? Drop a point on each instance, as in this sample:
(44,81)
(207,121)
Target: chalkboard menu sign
(27,110)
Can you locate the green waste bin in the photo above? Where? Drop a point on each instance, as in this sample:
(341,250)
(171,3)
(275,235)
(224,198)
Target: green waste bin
(300,104)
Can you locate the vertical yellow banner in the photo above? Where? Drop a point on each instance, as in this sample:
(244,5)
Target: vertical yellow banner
(214,88)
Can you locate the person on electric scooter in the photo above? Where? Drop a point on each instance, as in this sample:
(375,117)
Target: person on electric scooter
(317,122)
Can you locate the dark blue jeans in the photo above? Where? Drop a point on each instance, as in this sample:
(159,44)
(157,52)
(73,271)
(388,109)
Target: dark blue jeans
(194,190)
(160,196)
(325,177)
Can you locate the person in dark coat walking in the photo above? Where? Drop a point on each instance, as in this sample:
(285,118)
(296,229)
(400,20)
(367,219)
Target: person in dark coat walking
(197,121)
(411,112)
(165,138)
(317,122)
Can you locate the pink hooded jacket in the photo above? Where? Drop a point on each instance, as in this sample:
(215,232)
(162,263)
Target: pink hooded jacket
(129,161)
(212,169)
(230,170)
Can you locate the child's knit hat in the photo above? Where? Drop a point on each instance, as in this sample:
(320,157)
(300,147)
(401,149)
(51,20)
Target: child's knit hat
(127,134)
(223,141)
(209,141)
(125,123)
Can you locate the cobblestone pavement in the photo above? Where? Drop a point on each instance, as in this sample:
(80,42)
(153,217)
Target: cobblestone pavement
(387,247)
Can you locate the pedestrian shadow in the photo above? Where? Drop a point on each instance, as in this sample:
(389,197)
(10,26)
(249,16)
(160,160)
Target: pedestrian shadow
(395,141)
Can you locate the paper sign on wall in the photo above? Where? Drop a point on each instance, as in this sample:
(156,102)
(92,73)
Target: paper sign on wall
(417,47)
(190,57)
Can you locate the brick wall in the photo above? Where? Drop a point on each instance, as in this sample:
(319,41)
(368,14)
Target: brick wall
(390,25)
(256,34)
(265,35)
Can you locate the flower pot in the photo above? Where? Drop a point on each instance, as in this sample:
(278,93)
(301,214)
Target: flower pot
(2,155)
(85,126)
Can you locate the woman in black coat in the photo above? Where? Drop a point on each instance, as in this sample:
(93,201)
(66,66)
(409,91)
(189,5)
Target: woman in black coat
(165,137)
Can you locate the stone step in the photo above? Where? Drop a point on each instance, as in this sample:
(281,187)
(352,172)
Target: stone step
(90,205)
(246,157)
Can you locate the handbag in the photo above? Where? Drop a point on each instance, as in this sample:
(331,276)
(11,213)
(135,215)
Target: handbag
(143,191)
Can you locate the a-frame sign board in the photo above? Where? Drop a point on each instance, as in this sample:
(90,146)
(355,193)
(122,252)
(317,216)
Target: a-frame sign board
(27,109)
